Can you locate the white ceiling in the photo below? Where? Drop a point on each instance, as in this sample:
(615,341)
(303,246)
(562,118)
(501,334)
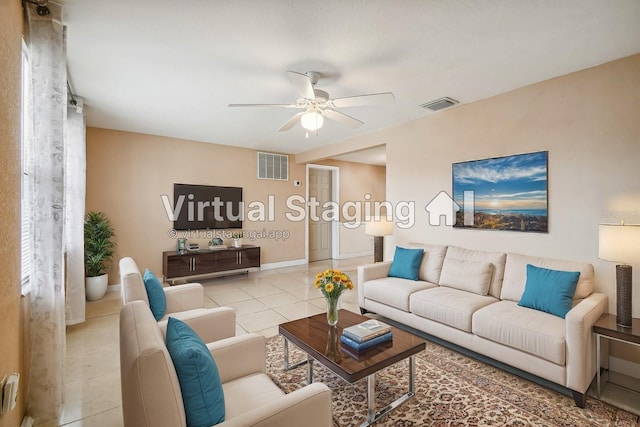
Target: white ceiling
(170,68)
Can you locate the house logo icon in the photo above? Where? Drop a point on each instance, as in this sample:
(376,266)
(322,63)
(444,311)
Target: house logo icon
(442,206)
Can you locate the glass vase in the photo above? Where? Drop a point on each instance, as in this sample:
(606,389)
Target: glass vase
(332,310)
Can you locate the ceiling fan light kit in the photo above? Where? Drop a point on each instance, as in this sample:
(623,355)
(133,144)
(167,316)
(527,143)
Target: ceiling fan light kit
(312,120)
(318,104)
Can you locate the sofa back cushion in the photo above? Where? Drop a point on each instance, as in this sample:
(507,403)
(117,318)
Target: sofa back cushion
(496,259)
(431,265)
(151,393)
(470,276)
(515,275)
(131,284)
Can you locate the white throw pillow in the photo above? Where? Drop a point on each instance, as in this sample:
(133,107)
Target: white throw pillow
(470,276)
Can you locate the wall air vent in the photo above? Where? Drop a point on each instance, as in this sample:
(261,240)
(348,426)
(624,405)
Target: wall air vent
(273,166)
(440,104)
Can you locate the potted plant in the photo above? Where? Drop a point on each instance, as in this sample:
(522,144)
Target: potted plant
(98,253)
(237,239)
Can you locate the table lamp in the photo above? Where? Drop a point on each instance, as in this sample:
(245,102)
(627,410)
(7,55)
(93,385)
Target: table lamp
(378,228)
(621,243)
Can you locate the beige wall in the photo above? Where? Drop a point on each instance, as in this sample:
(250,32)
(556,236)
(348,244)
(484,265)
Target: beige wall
(589,123)
(13,350)
(358,179)
(128,172)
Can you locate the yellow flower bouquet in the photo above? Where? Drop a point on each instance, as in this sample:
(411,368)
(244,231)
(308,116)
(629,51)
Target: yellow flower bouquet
(332,283)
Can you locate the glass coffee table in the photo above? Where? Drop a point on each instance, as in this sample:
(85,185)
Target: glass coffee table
(321,342)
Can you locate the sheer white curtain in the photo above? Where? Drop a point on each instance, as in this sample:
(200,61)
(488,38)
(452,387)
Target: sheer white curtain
(49,90)
(75,183)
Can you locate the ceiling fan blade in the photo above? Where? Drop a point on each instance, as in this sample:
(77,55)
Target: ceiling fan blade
(291,122)
(302,82)
(373,99)
(342,118)
(265,105)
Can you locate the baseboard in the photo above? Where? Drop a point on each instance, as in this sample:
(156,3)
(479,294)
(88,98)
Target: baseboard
(292,263)
(631,369)
(114,288)
(356,255)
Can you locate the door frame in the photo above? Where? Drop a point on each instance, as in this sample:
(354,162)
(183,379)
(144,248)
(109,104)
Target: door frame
(335,197)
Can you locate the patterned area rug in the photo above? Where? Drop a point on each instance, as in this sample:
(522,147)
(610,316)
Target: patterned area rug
(451,390)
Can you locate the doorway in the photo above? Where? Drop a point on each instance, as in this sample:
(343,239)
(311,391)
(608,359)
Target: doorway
(321,232)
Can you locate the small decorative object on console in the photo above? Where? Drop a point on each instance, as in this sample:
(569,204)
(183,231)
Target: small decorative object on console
(181,246)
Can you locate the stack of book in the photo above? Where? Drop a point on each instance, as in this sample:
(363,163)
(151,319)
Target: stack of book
(366,335)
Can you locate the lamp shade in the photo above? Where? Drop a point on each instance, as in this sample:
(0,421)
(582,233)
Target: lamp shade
(378,227)
(312,120)
(619,243)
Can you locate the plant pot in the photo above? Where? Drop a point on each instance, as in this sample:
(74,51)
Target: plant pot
(237,243)
(96,287)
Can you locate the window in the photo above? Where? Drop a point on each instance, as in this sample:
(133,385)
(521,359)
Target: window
(26,191)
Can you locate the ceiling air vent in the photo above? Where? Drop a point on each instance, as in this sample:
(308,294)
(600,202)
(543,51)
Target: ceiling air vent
(273,166)
(440,104)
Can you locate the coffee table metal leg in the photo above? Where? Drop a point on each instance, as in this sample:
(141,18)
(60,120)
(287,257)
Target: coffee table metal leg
(372,415)
(598,368)
(309,369)
(287,366)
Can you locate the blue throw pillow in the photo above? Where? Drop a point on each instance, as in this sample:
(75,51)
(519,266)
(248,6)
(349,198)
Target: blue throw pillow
(198,375)
(550,291)
(406,263)
(157,298)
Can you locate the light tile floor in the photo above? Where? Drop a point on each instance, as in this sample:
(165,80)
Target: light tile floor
(262,299)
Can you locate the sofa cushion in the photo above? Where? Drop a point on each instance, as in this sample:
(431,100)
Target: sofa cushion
(155,293)
(498,260)
(406,263)
(550,291)
(432,260)
(198,375)
(449,306)
(515,275)
(394,291)
(532,331)
(470,276)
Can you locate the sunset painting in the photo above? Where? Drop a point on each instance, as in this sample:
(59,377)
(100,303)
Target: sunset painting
(504,193)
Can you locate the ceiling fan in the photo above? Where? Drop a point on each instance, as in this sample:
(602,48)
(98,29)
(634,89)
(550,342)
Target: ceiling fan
(317,104)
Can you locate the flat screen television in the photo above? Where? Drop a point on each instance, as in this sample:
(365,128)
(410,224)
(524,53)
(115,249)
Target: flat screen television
(201,207)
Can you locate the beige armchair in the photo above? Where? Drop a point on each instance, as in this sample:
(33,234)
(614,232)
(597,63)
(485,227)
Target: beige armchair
(151,395)
(184,302)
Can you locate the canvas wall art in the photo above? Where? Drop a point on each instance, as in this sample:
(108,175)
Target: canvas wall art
(503,193)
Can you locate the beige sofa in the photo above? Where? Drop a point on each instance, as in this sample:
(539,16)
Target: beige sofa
(184,302)
(445,303)
(151,394)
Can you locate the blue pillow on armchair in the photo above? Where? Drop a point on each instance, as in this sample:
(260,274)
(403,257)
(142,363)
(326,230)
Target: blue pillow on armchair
(550,291)
(155,293)
(406,263)
(198,375)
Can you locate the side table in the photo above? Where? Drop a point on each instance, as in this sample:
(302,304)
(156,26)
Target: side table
(606,327)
